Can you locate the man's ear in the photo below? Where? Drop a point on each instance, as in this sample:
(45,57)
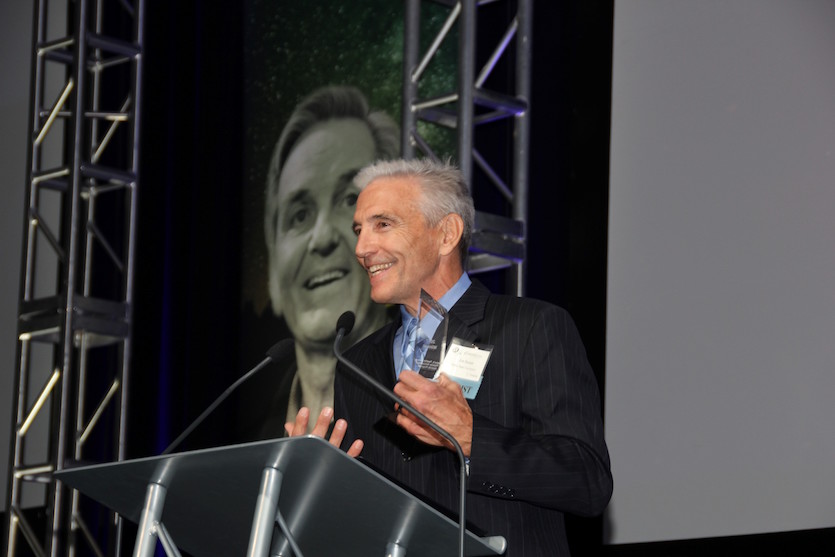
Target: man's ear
(452,228)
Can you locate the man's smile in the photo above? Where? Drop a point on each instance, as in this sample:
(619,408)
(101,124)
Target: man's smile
(324,278)
(374,269)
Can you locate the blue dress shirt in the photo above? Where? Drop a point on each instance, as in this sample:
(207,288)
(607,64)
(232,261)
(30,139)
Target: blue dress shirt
(447,301)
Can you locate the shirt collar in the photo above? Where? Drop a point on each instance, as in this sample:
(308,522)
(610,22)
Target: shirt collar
(447,300)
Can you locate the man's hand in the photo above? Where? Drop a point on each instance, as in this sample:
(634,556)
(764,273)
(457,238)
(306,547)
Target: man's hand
(442,402)
(299,427)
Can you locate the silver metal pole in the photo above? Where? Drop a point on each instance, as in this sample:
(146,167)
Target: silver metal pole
(521,136)
(411,45)
(466,82)
(395,550)
(146,538)
(263,523)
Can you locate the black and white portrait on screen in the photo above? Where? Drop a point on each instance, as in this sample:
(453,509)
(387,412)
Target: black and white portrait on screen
(313,275)
(322,98)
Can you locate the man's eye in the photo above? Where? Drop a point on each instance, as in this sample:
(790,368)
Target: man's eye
(350,199)
(298,217)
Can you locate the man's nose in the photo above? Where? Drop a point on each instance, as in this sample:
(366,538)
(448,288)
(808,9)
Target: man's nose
(324,238)
(364,246)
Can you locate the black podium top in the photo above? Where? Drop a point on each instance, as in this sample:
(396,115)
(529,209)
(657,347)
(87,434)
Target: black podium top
(333,504)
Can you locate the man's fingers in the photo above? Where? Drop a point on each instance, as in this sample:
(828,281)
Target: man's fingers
(298,427)
(338,433)
(441,401)
(323,422)
(356,448)
(445,382)
(415,427)
(411,379)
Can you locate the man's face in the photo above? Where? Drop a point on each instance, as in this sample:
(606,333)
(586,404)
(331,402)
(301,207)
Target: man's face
(397,248)
(312,260)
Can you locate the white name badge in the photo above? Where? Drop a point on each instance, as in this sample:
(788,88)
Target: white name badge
(465,363)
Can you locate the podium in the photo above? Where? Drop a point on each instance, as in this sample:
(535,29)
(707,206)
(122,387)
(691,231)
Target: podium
(225,501)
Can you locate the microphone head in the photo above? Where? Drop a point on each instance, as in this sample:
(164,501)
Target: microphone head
(280,349)
(345,322)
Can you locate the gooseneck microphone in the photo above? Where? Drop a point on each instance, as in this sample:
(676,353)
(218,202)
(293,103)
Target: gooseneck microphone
(343,327)
(276,353)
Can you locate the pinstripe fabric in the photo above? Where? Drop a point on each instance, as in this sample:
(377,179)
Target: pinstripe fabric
(538,448)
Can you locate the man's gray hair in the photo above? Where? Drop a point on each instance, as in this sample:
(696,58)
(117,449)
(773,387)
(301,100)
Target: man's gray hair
(327,103)
(443,189)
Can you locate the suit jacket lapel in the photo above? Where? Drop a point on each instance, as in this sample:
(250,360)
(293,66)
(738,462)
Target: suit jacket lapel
(468,311)
(382,367)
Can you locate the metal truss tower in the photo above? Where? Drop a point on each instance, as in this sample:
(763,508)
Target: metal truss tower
(75,309)
(498,240)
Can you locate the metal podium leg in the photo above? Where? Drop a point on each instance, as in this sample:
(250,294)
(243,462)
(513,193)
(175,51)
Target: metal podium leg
(263,522)
(395,550)
(166,541)
(146,539)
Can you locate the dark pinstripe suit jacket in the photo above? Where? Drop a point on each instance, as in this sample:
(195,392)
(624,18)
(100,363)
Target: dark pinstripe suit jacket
(538,448)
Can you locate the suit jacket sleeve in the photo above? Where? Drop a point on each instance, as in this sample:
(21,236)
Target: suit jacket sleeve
(537,426)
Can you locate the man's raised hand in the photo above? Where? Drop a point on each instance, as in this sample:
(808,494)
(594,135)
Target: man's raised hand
(299,427)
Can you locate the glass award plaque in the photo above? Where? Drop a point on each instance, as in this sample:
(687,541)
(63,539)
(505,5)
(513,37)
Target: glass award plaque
(432,332)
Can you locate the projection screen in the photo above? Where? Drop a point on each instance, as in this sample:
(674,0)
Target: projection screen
(721,269)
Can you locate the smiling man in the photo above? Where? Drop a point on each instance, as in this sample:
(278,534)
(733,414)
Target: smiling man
(532,433)
(310,199)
